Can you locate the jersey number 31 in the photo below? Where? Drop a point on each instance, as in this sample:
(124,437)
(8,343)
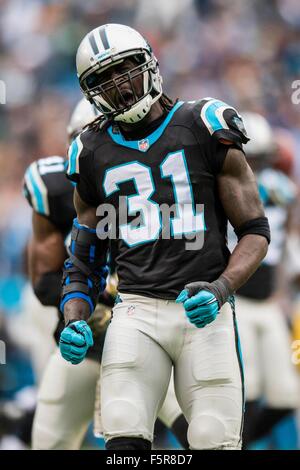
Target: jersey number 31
(186,221)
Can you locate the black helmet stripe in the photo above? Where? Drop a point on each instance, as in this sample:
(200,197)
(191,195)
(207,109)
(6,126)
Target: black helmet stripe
(93,43)
(103,37)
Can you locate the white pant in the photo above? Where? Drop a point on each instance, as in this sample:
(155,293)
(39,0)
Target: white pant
(146,336)
(170,409)
(40,321)
(66,402)
(267,354)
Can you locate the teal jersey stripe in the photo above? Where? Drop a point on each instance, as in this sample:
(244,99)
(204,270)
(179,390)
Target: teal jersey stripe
(151,139)
(73,158)
(210,114)
(37,193)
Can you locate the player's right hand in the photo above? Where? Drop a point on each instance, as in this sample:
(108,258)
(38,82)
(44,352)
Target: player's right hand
(75,340)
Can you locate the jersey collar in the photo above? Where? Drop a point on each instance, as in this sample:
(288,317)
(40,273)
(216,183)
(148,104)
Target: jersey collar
(144,144)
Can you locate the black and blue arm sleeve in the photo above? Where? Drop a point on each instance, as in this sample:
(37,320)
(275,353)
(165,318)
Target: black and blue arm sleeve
(85,271)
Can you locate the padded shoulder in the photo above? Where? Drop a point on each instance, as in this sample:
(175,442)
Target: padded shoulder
(221,120)
(40,182)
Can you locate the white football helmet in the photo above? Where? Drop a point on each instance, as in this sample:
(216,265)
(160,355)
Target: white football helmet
(110,45)
(262,141)
(83,114)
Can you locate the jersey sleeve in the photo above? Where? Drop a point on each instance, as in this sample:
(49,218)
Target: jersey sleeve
(35,190)
(48,191)
(80,171)
(221,127)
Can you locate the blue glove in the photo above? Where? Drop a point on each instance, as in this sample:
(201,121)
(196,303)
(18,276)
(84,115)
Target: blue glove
(203,300)
(75,340)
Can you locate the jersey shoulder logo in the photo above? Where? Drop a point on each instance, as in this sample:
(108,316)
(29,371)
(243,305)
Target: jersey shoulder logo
(239,124)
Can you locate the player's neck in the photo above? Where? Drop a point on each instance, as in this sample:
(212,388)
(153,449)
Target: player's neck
(155,113)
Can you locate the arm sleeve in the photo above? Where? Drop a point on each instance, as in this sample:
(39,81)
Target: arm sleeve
(80,171)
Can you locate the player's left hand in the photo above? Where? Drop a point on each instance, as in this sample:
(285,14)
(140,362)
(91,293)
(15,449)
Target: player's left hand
(75,340)
(202,300)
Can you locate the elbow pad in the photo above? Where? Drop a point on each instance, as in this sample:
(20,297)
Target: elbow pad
(48,289)
(258,226)
(85,271)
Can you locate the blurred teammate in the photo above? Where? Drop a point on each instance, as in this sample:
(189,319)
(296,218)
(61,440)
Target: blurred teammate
(265,339)
(157,153)
(66,397)
(42,321)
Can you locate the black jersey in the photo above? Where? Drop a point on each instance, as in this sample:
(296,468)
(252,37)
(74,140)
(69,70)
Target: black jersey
(175,166)
(277,193)
(50,194)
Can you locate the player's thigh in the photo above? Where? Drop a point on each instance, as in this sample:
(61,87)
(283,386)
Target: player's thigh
(65,403)
(281,386)
(248,327)
(135,374)
(42,322)
(209,385)
(170,409)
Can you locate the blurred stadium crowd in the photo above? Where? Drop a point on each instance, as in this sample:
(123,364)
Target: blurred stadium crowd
(245,52)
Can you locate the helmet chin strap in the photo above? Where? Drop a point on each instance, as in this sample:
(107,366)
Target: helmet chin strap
(137,112)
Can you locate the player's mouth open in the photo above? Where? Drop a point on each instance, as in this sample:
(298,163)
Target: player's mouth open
(127,98)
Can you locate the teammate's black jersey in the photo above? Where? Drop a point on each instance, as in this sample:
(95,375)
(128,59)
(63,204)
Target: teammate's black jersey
(277,193)
(50,194)
(176,165)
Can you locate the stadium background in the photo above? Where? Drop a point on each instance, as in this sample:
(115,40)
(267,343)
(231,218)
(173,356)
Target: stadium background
(245,52)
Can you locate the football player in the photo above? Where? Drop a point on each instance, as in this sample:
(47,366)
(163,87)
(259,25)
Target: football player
(265,338)
(176,305)
(67,395)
